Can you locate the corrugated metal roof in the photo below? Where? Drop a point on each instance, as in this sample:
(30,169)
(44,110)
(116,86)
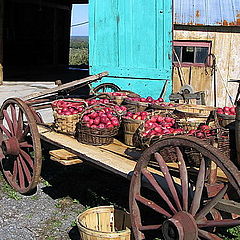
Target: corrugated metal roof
(207,12)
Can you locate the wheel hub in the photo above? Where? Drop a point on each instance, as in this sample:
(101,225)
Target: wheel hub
(11,146)
(181,226)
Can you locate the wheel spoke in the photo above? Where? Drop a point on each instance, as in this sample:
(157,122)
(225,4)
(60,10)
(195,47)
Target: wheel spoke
(5,131)
(14,175)
(211,204)
(25,145)
(218,223)
(9,121)
(152,205)
(208,235)
(199,188)
(158,188)
(25,132)
(25,168)
(20,175)
(150,227)
(184,179)
(14,118)
(19,123)
(168,177)
(27,157)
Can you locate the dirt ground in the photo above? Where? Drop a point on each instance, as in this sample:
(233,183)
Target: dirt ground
(62,194)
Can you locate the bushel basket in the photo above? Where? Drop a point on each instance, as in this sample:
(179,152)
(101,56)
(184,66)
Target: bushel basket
(94,135)
(135,106)
(67,123)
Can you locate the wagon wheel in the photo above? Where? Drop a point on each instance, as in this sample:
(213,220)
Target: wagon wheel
(106,87)
(176,204)
(20,152)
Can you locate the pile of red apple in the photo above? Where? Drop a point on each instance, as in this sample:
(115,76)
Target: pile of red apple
(103,118)
(64,107)
(146,100)
(158,126)
(97,101)
(137,115)
(227,110)
(203,131)
(117,94)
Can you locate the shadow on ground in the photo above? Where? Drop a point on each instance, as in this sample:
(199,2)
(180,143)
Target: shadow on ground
(86,184)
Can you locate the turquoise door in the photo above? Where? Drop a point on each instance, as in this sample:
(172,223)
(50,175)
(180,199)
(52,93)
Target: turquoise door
(131,39)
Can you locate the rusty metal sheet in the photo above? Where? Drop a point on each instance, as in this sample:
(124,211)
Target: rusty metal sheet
(207,12)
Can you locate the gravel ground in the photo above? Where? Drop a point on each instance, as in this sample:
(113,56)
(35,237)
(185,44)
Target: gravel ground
(62,194)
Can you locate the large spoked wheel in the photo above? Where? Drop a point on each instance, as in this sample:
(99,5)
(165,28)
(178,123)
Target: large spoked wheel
(20,152)
(106,87)
(177,201)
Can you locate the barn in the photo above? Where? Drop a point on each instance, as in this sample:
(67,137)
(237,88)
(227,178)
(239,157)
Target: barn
(205,28)
(34,38)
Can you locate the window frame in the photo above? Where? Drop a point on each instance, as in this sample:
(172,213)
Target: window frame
(177,43)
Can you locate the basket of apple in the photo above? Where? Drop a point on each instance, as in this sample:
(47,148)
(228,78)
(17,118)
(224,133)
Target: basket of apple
(106,101)
(118,97)
(66,113)
(226,115)
(98,125)
(154,128)
(130,122)
(216,136)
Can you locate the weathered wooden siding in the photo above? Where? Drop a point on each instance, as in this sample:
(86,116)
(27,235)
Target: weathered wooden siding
(226,48)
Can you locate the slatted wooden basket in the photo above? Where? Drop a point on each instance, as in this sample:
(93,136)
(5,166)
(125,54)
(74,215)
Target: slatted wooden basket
(135,106)
(129,128)
(105,222)
(190,110)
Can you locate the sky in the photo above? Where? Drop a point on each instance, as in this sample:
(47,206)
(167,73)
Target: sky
(79,15)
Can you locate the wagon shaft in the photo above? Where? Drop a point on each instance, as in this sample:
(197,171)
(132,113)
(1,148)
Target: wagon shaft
(67,86)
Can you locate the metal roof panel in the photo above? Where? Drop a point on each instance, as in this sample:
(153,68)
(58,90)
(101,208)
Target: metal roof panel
(207,12)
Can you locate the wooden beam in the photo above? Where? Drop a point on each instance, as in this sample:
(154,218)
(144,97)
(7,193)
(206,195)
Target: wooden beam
(80,82)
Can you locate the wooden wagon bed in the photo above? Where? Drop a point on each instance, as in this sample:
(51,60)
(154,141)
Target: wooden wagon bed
(116,157)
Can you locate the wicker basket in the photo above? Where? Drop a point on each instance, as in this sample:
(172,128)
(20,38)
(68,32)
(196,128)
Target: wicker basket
(105,222)
(190,123)
(162,109)
(118,99)
(129,128)
(135,106)
(226,120)
(183,111)
(65,123)
(95,136)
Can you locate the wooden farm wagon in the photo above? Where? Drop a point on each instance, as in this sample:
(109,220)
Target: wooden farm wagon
(180,199)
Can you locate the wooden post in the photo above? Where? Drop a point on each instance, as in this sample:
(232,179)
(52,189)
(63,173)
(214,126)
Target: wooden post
(1,41)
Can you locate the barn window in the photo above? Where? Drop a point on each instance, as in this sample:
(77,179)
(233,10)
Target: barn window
(191,53)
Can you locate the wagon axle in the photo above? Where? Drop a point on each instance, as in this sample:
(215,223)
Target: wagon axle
(181,226)
(11,146)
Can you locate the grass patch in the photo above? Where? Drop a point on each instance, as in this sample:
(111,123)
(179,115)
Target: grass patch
(10,192)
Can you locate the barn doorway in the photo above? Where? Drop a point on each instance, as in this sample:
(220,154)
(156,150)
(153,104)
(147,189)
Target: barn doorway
(79,37)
